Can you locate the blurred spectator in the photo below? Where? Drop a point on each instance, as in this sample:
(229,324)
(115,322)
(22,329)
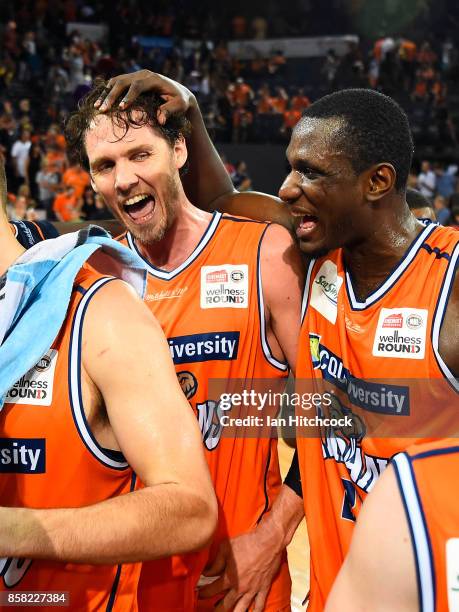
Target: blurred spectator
(48,184)
(441,210)
(75,176)
(259,27)
(446,180)
(239,26)
(330,68)
(19,209)
(241,179)
(454,221)
(300,101)
(33,165)
(230,168)
(420,206)
(66,206)
(242,123)
(291,118)
(279,101)
(426,180)
(100,211)
(19,156)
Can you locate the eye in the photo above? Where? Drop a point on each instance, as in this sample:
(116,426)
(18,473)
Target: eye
(307,173)
(103,168)
(141,156)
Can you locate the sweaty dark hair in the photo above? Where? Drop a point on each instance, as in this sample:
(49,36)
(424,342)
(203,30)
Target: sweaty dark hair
(143,111)
(415,199)
(375,129)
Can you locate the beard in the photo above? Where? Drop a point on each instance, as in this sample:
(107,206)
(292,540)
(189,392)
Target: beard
(155,231)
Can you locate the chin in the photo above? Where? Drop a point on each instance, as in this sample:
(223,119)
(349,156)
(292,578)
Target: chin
(147,234)
(314,251)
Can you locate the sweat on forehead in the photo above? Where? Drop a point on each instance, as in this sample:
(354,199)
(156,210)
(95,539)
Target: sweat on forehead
(324,135)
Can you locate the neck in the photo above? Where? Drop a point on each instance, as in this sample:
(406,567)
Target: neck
(10,250)
(371,260)
(180,239)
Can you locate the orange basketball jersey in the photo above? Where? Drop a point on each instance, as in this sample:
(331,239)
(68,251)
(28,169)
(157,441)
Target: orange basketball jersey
(212,313)
(50,459)
(370,354)
(428,478)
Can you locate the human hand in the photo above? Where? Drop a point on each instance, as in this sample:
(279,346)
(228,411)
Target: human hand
(177,98)
(245,566)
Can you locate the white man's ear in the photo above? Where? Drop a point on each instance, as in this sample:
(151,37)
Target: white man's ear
(180,152)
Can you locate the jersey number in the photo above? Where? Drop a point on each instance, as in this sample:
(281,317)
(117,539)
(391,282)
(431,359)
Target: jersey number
(349,500)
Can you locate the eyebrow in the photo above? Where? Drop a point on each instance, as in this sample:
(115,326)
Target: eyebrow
(137,149)
(304,164)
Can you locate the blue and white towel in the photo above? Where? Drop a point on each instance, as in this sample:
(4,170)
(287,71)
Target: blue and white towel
(35,294)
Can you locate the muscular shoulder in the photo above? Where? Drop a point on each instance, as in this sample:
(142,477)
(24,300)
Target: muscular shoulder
(280,254)
(119,325)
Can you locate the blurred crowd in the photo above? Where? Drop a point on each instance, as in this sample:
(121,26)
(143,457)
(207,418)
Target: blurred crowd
(47,64)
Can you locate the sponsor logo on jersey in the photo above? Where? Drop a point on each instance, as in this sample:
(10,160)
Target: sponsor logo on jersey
(408,340)
(225,286)
(167,294)
(394,321)
(414,321)
(452,573)
(219,276)
(212,346)
(188,382)
(36,386)
(371,396)
(325,289)
(22,455)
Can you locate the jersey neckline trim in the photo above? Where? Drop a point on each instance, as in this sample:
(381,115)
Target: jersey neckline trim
(203,242)
(393,277)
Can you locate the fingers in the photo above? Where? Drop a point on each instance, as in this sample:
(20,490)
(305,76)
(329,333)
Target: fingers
(214,588)
(260,599)
(218,565)
(108,98)
(174,105)
(230,600)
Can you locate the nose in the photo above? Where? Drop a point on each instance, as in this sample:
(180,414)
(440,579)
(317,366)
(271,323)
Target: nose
(125,177)
(290,189)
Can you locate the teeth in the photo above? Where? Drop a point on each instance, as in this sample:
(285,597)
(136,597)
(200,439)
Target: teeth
(135,199)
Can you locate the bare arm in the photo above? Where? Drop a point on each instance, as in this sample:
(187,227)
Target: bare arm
(282,273)
(207,184)
(379,572)
(127,358)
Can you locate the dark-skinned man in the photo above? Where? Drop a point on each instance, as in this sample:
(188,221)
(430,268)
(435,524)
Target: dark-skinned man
(379,283)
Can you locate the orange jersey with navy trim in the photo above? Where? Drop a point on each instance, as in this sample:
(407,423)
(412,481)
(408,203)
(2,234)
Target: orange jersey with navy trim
(212,313)
(428,476)
(50,459)
(29,233)
(379,360)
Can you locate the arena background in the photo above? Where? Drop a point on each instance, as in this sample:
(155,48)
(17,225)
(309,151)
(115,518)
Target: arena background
(253,66)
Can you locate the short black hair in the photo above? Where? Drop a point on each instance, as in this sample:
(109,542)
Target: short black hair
(415,199)
(375,129)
